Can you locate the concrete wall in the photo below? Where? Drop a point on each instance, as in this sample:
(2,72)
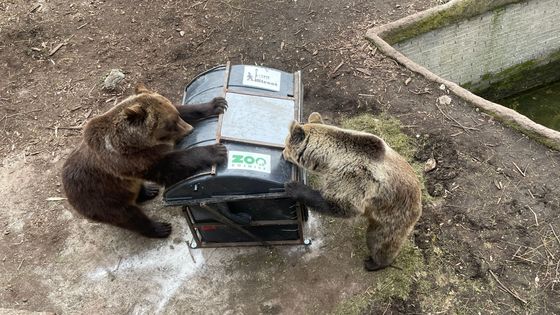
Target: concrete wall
(470,51)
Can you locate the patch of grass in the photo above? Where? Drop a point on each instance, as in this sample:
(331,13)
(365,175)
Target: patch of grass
(426,278)
(390,129)
(390,283)
(459,11)
(387,128)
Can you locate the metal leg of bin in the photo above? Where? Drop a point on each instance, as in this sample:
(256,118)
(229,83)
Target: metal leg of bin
(232,224)
(190,223)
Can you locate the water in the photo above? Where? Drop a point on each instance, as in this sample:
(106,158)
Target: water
(541,105)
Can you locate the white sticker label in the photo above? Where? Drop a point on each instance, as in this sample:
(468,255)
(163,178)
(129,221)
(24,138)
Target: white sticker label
(239,160)
(263,78)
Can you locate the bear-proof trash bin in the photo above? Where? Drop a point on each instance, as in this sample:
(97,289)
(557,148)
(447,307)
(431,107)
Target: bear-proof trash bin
(242,202)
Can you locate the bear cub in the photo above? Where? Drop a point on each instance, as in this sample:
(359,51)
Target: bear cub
(133,142)
(360,175)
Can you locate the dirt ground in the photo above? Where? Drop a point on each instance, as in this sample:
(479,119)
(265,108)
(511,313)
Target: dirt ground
(487,241)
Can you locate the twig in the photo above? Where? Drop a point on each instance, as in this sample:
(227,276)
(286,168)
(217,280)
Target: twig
(17,114)
(519,170)
(555,235)
(64,43)
(469,128)
(536,220)
(453,119)
(336,69)
(37,6)
(190,253)
(81,26)
(118,264)
(507,289)
(67,128)
(367,95)
(55,49)
(238,8)
(525,259)
(21,263)
(547,250)
(386,308)
(420,93)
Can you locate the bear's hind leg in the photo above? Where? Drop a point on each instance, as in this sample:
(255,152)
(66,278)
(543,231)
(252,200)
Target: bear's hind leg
(148,191)
(384,244)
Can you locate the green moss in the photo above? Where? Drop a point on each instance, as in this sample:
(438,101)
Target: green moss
(390,283)
(495,85)
(386,127)
(521,77)
(426,278)
(460,11)
(389,129)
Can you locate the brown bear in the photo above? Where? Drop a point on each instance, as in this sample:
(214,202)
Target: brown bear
(360,175)
(131,143)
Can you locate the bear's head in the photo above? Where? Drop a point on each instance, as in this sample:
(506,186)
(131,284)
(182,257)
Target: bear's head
(143,120)
(316,146)
(307,145)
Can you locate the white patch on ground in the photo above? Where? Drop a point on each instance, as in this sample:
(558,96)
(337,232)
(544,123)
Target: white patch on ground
(15,183)
(165,269)
(312,231)
(107,270)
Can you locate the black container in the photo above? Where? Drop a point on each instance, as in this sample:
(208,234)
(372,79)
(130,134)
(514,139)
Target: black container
(243,202)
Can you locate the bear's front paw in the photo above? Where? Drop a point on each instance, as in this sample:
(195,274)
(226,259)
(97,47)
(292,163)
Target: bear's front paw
(219,105)
(218,153)
(293,189)
(148,191)
(158,230)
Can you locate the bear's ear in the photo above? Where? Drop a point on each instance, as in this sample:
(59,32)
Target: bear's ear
(141,88)
(135,113)
(315,118)
(297,134)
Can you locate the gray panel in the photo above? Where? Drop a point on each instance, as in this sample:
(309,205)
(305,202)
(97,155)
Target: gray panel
(257,118)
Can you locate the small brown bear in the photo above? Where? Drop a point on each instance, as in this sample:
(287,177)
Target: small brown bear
(360,175)
(133,142)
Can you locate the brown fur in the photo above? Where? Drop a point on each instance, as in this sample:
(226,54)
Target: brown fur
(361,175)
(132,142)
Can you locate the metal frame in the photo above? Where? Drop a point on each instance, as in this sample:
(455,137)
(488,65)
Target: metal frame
(199,243)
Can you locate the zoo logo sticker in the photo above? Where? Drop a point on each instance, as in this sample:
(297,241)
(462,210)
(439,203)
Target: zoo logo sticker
(263,78)
(239,160)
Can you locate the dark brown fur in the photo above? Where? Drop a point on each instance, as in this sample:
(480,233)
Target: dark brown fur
(133,142)
(360,175)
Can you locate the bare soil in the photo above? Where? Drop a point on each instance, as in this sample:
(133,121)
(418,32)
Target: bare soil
(488,237)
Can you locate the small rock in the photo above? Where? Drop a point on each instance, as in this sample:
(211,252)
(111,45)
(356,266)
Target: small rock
(442,87)
(444,100)
(430,165)
(182,33)
(437,190)
(113,79)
